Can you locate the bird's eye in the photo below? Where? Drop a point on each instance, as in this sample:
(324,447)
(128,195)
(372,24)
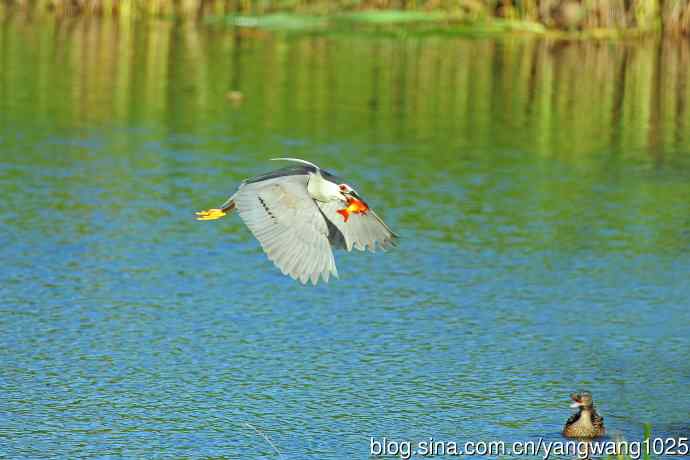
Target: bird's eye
(343,188)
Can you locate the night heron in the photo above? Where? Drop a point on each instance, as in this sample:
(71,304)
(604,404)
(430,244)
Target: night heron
(298,213)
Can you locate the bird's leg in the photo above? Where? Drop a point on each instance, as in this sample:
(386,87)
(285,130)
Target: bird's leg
(216,213)
(210,214)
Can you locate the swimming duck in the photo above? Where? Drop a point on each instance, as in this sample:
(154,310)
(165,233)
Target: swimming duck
(586,423)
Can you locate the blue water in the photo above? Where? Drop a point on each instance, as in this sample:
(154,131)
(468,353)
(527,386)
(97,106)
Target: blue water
(130,330)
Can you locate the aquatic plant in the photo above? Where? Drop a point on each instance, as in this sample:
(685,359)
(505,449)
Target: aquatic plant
(628,456)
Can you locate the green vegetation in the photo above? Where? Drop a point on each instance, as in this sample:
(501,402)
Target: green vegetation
(635,98)
(394,16)
(273,21)
(628,456)
(593,17)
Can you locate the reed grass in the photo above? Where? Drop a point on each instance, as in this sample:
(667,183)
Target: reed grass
(671,16)
(627,456)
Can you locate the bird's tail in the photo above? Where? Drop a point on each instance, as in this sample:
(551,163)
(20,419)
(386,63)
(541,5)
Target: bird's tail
(217,213)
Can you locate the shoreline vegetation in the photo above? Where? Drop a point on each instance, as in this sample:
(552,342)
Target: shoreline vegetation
(569,100)
(571,18)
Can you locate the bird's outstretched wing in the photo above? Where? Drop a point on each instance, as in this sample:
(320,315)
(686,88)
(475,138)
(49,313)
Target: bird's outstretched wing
(292,231)
(361,231)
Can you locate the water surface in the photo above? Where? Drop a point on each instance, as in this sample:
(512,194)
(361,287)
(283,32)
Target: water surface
(540,188)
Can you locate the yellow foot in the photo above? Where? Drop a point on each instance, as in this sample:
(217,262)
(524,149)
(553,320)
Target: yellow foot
(211,214)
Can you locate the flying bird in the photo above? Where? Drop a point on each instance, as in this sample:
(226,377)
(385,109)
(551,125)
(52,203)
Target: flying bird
(300,213)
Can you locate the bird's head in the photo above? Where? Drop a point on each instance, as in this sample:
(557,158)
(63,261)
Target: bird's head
(581,400)
(349,194)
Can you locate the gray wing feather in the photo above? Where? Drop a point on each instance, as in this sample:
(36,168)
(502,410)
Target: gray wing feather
(290,227)
(335,236)
(597,420)
(361,231)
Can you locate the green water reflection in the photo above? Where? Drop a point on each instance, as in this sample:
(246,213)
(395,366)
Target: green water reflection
(541,189)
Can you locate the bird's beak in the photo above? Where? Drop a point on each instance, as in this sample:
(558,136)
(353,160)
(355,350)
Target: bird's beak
(354,195)
(576,401)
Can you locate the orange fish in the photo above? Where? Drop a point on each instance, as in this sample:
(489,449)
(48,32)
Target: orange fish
(353,206)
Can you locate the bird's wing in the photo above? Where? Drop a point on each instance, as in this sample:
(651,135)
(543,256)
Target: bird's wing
(597,420)
(292,231)
(573,418)
(361,231)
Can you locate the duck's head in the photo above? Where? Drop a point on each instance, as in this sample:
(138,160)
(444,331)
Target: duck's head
(582,400)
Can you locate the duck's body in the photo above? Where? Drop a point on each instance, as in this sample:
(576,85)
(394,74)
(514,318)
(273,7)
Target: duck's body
(586,422)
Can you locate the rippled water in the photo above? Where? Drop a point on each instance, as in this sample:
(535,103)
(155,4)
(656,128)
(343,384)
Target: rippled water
(541,190)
